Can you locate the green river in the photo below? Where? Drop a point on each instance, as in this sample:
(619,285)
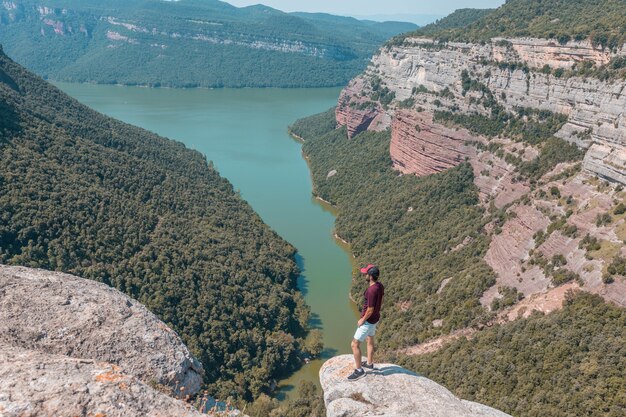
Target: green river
(244,132)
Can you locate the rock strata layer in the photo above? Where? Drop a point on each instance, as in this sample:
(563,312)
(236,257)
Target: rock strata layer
(61,314)
(421,73)
(391,391)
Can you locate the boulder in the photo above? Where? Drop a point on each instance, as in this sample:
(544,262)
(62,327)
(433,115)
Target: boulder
(391,391)
(61,314)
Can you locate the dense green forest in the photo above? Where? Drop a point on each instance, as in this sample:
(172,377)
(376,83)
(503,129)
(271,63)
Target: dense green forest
(601,21)
(568,363)
(88,195)
(458,19)
(402,223)
(189,43)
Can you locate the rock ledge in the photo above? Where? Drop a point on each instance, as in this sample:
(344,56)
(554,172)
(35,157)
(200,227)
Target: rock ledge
(391,391)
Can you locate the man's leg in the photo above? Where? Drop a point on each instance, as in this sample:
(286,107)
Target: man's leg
(370,350)
(356,350)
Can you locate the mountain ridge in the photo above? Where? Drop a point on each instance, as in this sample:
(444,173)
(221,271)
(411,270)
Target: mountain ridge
(147,42)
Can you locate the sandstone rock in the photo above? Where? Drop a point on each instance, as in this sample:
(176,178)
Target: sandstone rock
(62,314)
(357,113)
(41,384)
(421,147)
(391,391)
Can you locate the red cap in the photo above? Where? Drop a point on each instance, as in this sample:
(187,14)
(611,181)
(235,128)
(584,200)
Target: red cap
(367,268)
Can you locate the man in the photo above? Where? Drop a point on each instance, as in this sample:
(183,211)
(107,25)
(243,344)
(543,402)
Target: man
(370,314)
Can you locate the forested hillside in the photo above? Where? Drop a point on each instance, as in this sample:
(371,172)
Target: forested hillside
(404,223)
(188,43)
(601,21)
(427,234)
(85,194)
(568,363)
(458,19)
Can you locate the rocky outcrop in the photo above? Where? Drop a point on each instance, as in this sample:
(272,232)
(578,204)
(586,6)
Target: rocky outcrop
(357,113)
(391,391)
(71,346)
(34,383)
(419,70)
(62,314)
(421,147)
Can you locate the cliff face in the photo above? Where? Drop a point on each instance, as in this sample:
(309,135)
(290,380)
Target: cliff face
(420,69)
(550,220)
(391,391)
(71,346)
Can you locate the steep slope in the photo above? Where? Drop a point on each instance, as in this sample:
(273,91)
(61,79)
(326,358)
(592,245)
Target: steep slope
(460,18)
(187,43)
(487,181)
(85,194)
(600,21)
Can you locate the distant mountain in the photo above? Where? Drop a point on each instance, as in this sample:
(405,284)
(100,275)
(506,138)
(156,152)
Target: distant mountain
(188,43)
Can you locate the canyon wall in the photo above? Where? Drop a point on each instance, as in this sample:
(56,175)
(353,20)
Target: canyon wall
(548,222)
(419,70)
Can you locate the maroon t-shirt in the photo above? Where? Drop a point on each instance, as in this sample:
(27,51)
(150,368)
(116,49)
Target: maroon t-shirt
(373,298)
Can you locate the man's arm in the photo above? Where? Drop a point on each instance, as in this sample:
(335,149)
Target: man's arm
(368,314)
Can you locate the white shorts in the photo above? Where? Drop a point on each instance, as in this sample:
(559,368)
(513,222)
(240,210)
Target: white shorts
(367,329)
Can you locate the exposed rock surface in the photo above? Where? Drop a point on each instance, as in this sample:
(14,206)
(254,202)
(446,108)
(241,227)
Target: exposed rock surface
(418,146)
(597,119)
(546,224)
(391,391)
(62,314)
(357,113)
(40,384)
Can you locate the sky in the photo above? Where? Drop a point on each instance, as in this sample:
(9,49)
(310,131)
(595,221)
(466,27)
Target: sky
(408,10)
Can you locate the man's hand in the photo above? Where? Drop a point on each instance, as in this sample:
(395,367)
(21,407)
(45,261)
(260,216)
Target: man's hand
(360,322)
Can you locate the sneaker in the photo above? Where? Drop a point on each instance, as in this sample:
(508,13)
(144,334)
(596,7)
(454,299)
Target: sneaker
(356,375)
(366,365)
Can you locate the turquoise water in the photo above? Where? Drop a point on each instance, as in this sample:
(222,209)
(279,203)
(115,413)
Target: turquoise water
(244,132)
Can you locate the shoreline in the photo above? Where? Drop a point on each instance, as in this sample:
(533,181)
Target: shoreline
(168,87)
(299,139)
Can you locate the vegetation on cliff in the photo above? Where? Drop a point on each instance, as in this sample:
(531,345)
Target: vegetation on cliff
(414,228)
(189,43)
(569,363)
(601,21)
(458,19)
(85,194)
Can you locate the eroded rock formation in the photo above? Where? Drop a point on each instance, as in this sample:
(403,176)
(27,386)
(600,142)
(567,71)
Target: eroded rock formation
(420,69)
(547,222)
(391,391)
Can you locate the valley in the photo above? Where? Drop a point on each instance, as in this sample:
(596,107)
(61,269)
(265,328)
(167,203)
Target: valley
(479,162)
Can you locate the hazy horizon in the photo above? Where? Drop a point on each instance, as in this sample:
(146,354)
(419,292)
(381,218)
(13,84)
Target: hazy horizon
(420,12)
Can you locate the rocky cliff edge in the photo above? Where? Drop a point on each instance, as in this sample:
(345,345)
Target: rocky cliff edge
(70,346)
(391,391)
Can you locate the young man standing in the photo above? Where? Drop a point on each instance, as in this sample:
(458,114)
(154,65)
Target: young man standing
(370,314)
